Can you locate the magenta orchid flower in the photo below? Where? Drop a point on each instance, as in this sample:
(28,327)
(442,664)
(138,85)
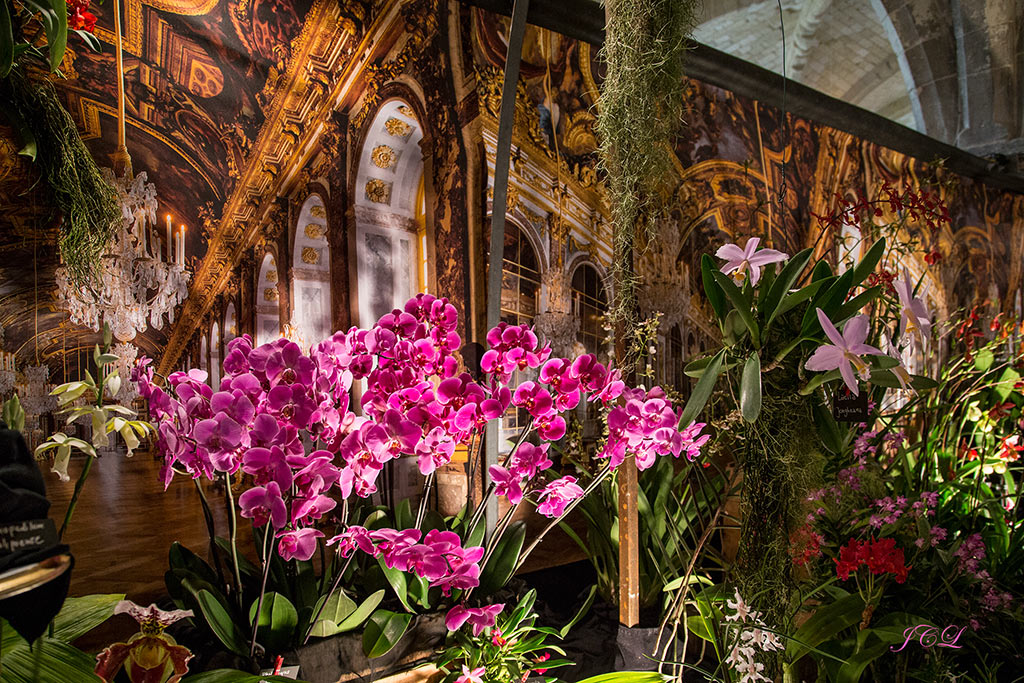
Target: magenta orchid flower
(846,351)
(299,544)
(478,617)
(263,503)
(150,656)
(506,484)
(915,318)
(739,261)
(557,495)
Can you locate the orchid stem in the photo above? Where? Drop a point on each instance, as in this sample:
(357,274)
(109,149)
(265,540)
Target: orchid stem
(233,527)
(74,497)
(426,497)
(263,590)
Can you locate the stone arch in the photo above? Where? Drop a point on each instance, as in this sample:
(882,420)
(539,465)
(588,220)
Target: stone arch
(391,208)
(268,303)
(311,272)
(215,358)
(230,322)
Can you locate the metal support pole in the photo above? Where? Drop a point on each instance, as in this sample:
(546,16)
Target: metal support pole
(506,122)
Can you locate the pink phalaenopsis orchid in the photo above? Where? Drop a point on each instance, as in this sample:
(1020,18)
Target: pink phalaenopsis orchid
(478,617)
(846,352)
(914,318)
(738,262)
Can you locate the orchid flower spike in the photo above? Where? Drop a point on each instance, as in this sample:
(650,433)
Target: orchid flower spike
(739,261)
(845,352)
(915,318)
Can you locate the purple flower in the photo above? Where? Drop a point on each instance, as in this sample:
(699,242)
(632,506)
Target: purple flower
(535,399)
(557,495)
(506,484)
(739,261)
(845,352)
(299,544)
(291,403)
(261,503)
(306,510)
(219,436)
(478,617)
(288,365)
(436,449)
(914,317)
(352,538)
(267,464)
(528,459)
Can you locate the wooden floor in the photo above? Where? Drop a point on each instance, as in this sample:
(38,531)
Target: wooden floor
(125,522)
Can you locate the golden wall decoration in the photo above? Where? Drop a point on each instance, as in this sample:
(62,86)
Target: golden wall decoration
(383,156)
(270,294)
(378,191)
(315,231)
(317,211)
(310,255)
(406,110)
(398,128)
(272,276)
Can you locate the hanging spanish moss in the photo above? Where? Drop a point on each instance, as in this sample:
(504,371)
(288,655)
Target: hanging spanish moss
(641,108)
(87,202)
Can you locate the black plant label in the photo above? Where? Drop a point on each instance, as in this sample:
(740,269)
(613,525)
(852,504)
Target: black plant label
(32,534)
(847,407)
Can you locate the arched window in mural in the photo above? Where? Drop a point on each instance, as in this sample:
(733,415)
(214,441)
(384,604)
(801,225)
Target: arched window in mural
(390,236)
(520,297)
(230,323)
(204,354)
(520,279)
(311,274)
(215,355)
(268,304)
(590,305)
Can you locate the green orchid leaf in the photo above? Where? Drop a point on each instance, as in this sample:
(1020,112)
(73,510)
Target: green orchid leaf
(741,305)
(278,620)
(714,293)
(338,608)
(383,631)
(361,613)
(793,300)
(6,40)
(234,676)
(750,389)
(398,582)
(783,283)
(628,677)
(48,660)
(78,616)
(826,623)
(702,392)
(853,306)
(868,263)
(58,39)
(564,631)
(821,271)
(502,562)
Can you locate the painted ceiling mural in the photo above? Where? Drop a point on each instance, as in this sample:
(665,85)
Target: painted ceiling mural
(231,109)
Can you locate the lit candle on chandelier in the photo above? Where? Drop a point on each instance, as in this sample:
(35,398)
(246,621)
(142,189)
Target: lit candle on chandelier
(170,254)
(181,248)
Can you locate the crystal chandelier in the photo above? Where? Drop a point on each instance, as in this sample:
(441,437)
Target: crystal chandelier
(126,354)
(34,394)
(135,287)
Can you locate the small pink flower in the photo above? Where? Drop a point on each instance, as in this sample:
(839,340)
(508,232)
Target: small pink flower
(557,495)
(478,617)
(845,352)
(739,261)
(299,544)
(473,676)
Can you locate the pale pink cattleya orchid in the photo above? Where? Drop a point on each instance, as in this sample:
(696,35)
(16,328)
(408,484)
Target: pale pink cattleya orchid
(150,656)
(845,352)
(471,676)
(900,370)
(739,261)
(915,318)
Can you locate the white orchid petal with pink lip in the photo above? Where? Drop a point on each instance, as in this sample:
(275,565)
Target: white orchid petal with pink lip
(845,352)
(738,261)
(152,614)
(915,317)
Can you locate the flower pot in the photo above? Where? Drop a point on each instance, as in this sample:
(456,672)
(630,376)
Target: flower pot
(340,659)
(635,649)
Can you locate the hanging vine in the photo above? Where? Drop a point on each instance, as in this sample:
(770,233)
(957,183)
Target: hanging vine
(87,202)
(641,109)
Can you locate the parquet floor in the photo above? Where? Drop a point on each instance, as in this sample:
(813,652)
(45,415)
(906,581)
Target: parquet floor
(125,522)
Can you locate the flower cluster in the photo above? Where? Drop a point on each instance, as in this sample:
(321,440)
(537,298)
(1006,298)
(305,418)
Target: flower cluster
(79,16)
(753,636)
(970,554)
(922,207)
(805,545)
(440,558)
(478,617)
(880,556)
(647,426)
